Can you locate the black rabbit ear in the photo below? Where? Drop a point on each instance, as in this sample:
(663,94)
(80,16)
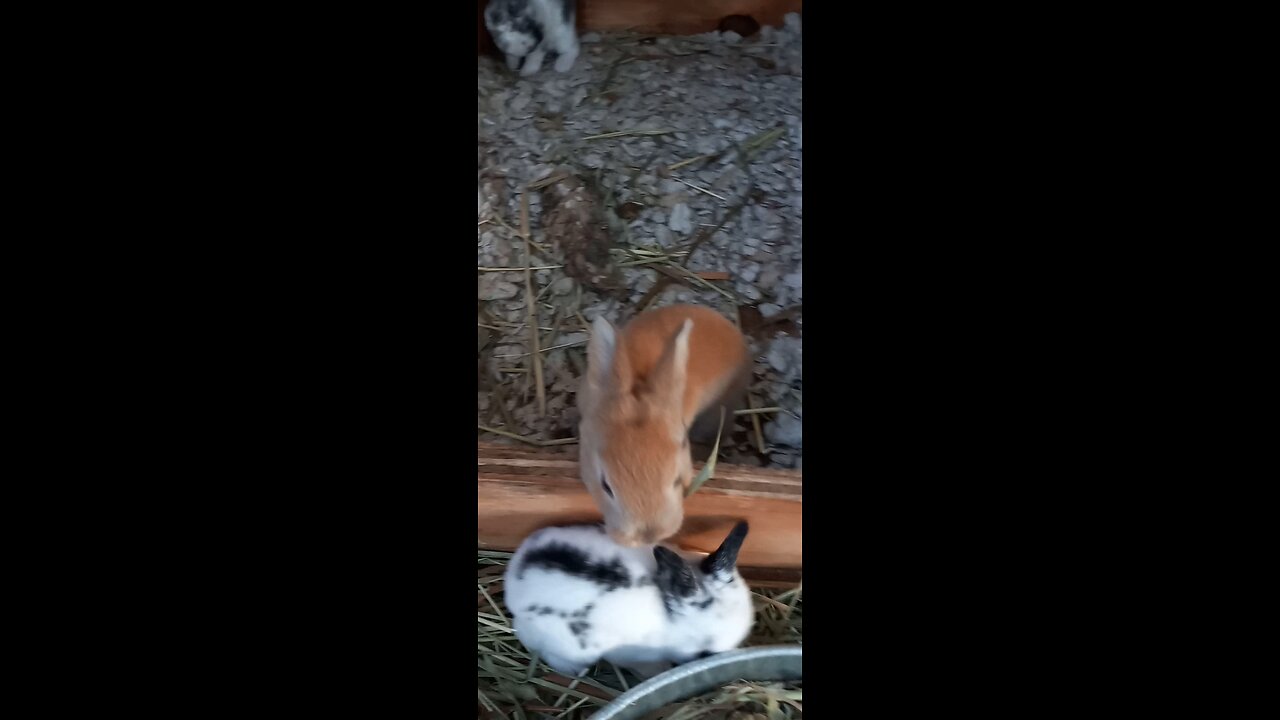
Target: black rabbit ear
(725,558)
(674,577)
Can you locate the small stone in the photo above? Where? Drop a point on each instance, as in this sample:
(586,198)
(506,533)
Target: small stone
(729,175)
(681,221)
(768,310)
(563,286)
(579,338)
(794,281)
(767,216)
(708,176)
(786,431)
(785,353)
(491,288)
(601,309)
(593,161)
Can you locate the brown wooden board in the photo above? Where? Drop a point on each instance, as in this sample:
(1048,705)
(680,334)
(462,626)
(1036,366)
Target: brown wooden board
(678,17)
(522,489)
(665,17)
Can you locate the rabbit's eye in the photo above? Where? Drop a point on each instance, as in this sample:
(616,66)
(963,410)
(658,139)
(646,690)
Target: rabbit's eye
(605,484)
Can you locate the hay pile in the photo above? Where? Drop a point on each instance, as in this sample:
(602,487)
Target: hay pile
(509,687)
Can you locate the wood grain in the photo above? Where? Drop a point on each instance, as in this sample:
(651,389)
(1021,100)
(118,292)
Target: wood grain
(522,489)
(678,17)
(664,17)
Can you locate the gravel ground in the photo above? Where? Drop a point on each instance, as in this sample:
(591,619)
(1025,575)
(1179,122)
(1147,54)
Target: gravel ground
(699,172)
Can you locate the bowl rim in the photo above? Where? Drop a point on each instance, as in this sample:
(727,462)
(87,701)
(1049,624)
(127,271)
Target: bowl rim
(762,663)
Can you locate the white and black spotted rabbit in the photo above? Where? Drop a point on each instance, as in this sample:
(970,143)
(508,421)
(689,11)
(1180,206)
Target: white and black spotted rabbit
(578,597)
(526,30)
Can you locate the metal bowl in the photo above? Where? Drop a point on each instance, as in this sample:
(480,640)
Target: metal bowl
(757,664)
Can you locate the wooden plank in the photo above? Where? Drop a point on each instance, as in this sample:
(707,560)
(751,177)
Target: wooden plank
(678,17)
(664,17)
(522,489)
(779,578)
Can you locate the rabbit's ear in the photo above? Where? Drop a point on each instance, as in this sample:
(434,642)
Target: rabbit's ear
(669,375)
(606,367)
(722,561)
(674,577)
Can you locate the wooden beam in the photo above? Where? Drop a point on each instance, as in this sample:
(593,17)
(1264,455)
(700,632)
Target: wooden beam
(677,17)
(522,489)
(662,17)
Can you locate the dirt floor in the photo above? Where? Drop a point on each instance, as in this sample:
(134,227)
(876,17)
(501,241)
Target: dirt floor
(656,171)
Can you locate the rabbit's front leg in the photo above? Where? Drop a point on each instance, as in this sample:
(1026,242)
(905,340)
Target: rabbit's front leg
(533,62)
(568,55)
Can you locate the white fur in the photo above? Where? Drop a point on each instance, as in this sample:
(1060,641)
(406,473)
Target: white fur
(628,625)
(522,51)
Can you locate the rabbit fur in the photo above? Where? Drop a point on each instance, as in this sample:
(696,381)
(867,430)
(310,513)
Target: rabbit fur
(577,597)
(666,372)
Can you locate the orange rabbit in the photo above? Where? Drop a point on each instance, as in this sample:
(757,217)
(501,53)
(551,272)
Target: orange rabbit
(647,388)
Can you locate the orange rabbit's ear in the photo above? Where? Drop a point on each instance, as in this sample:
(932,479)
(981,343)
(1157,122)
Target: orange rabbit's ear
(670,373)
(605,366)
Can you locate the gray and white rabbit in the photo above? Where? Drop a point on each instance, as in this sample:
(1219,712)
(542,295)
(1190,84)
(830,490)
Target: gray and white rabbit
(578,597)
(526,30)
